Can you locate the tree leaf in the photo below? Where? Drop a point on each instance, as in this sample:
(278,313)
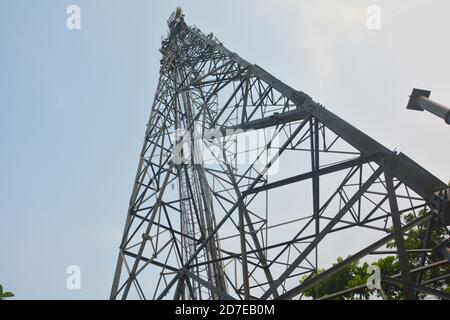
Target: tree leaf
(8,295)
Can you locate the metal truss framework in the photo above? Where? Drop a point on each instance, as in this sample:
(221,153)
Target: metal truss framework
(231,229)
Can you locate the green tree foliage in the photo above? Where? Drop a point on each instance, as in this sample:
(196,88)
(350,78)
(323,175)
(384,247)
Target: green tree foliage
(352,276)
(5,295)
(356,274)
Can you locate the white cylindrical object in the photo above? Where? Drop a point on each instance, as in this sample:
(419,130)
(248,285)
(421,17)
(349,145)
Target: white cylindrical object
(435,108)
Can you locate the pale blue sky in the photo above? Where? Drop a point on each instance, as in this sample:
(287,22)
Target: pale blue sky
(74,104)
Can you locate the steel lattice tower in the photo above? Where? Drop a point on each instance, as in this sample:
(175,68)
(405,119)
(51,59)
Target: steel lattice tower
(251,223)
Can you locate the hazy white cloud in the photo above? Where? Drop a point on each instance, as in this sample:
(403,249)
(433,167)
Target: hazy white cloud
(322,25)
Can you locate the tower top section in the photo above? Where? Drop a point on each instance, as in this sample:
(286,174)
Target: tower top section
(175,17)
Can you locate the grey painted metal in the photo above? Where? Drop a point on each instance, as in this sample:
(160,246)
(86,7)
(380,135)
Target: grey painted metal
(357,256)
(419,179)
(417,287)
(316,172)
(196,231)
(319,237)
(399,240)
(420,101)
